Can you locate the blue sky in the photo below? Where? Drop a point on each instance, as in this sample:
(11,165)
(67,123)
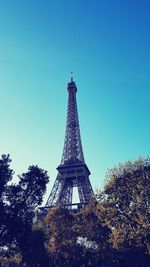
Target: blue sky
(107,46)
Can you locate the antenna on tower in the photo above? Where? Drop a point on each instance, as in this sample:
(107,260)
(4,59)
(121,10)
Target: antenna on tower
(71,76)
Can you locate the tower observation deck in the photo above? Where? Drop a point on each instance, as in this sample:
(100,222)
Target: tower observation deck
(72,171)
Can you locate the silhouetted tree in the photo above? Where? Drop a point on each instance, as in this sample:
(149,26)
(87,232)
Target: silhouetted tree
(37,254)
(6,175)
(18,203)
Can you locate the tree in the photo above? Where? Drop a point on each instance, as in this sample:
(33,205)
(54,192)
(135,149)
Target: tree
(6,175)
(94,234)
(126,205)
(61,238)
(18,203)
(76,239)
(37,254)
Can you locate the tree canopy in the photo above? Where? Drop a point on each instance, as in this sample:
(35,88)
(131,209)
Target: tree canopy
(112,230)
(17,205)
(126,204)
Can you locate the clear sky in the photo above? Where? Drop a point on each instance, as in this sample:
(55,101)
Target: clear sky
(107,46)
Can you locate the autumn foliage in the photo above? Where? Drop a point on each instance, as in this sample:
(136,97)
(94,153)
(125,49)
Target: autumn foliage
(114,229)
(111,231)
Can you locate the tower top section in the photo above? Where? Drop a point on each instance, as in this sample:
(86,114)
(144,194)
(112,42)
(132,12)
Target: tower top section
(72,85)
(72,151)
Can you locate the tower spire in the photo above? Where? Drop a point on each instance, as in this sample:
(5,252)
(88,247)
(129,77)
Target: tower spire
(72,145)
(72,171)
(71,76)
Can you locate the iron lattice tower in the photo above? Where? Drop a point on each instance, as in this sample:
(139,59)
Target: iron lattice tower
(72,171)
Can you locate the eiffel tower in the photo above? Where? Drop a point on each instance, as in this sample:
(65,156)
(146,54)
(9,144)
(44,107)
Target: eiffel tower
(72,171)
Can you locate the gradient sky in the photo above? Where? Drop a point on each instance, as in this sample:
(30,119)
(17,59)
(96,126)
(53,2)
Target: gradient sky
(107,46)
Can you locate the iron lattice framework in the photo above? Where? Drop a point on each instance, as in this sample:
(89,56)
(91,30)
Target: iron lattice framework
(72,171)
